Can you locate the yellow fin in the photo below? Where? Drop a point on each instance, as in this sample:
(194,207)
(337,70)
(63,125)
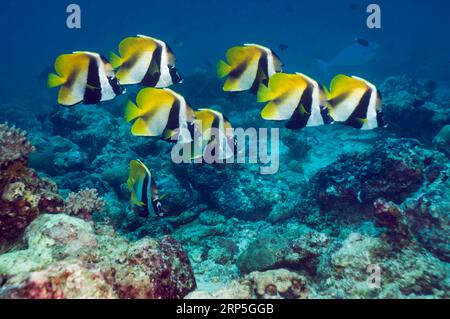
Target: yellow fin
(131,111)
(115,60)
(54,80)
(223,69)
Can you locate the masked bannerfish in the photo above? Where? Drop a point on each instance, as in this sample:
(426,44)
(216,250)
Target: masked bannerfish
(144,193)
(355,102)
(161,112)
(84,77)
(217,135)
(247,67)
(294,97)
(147,61)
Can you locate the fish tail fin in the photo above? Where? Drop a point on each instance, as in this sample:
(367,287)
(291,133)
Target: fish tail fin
(264,94)
(223,69)
(54,80)
(323,66)
(131,111)
(115,60)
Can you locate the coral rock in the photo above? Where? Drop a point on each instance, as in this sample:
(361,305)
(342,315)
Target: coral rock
(66,257)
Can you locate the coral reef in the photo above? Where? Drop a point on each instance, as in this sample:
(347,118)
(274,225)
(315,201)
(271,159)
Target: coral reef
(84,203)
(392,169)
(23,194)
(346,204)
(14,145)
(65,257)
(428,214)
(410,104)
(442,140)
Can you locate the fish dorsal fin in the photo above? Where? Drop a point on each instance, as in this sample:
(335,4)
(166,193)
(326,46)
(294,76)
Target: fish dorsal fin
(285,93)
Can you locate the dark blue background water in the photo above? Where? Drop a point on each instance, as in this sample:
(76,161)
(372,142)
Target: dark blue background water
(414,34)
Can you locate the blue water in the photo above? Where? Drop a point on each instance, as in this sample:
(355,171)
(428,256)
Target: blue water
(34,33)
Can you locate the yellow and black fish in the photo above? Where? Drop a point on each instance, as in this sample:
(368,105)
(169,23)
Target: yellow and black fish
(294,97)
(84,77)
(147,61)
(247,67)
(355,102)
(161,112)
(217,137)
(144,193)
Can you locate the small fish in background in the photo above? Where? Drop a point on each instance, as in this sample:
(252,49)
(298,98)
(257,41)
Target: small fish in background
(360,52)
(178,43)
(161,112)
(354,6)
(294,97)
(355,102)
(144,193)
(84,77)
(247,67)
(283,47)
(146,61)
(215,130)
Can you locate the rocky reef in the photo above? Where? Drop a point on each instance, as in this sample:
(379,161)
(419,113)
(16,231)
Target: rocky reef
(349,214)
(66,257)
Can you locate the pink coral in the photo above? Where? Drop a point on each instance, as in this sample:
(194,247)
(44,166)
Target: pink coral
(23,194)
(84,203)
(14,144)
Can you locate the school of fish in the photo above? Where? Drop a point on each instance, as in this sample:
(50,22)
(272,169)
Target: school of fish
(89,78)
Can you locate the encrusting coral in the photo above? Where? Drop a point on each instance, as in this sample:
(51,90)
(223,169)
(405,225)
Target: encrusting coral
(14,144)
(23,194)
(66,257)
(84,203)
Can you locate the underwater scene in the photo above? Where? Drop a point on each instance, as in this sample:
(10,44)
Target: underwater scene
(210,149)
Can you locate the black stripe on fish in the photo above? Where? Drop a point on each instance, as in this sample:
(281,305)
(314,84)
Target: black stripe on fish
(153,73)
(327,119)
(238,71)
(176,77)
(145,212)
(93,90)
(117,88)
(298,119)
(173,122)
(338,99)
(262,74)
(380,120)
(112,80)
(156,203)
(360,112)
